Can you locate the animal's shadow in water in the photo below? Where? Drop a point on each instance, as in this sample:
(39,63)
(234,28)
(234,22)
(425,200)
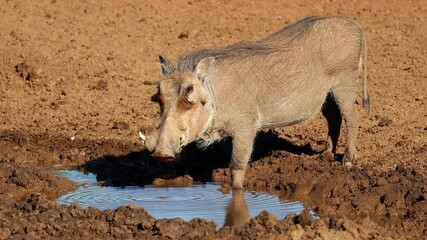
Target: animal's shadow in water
(139,168)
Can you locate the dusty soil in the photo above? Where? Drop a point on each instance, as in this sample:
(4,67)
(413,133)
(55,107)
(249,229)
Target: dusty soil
(71,96)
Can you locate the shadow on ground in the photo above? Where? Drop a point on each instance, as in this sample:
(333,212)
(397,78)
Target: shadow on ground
(139,168)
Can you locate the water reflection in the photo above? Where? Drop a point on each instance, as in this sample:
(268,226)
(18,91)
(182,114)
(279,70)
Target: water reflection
(237,211)
(196,201)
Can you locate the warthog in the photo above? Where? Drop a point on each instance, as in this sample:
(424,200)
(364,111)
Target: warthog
(277,81)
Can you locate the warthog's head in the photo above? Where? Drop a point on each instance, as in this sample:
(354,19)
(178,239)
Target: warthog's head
(184,112)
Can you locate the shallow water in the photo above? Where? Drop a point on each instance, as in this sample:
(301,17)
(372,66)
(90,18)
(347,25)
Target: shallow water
(196,201)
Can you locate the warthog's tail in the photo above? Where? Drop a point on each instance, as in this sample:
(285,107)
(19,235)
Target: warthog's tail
(366,100)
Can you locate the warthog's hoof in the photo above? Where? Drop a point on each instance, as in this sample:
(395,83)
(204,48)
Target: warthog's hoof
(347,164)
(347,160)
(237,177)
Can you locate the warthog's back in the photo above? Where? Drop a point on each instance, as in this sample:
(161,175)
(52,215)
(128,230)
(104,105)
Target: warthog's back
(285,77)
(327,33)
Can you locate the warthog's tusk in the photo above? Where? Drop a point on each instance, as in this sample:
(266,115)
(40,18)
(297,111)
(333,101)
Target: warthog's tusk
(182,140)
(142,136)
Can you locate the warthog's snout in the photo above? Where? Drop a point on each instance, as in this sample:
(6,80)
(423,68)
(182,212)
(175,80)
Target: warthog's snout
(163,156)
(164,147)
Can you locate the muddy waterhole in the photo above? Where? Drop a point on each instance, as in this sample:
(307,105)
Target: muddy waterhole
(196,201)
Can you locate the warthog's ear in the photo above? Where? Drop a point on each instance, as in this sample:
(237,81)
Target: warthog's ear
(203,66)
(167,66)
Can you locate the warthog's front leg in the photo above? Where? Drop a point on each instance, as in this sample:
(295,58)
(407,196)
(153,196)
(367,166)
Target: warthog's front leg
(242,150)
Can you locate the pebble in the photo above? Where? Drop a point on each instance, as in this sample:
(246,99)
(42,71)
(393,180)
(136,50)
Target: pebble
(120,125)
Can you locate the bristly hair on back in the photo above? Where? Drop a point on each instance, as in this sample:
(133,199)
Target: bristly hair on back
(189,61)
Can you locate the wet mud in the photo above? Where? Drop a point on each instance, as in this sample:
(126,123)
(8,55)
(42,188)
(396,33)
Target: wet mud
(72,97)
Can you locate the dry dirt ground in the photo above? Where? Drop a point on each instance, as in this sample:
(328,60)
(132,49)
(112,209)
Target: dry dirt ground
(74,70)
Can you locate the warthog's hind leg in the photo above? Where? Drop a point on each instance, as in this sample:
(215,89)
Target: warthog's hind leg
(345,96)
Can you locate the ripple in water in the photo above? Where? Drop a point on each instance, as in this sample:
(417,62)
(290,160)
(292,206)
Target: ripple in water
(196,201)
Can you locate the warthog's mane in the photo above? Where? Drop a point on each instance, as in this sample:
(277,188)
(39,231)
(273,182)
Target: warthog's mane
(189,61)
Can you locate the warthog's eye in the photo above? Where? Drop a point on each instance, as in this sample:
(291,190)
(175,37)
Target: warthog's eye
(188,96)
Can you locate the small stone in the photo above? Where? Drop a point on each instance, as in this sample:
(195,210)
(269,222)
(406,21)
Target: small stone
(27,72)
(400,168)
(120,125)
(400,143)
(381,181)
(101,85)
(183,35)
(385,122)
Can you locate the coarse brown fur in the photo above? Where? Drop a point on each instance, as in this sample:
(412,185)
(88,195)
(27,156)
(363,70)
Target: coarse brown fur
(280,80)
